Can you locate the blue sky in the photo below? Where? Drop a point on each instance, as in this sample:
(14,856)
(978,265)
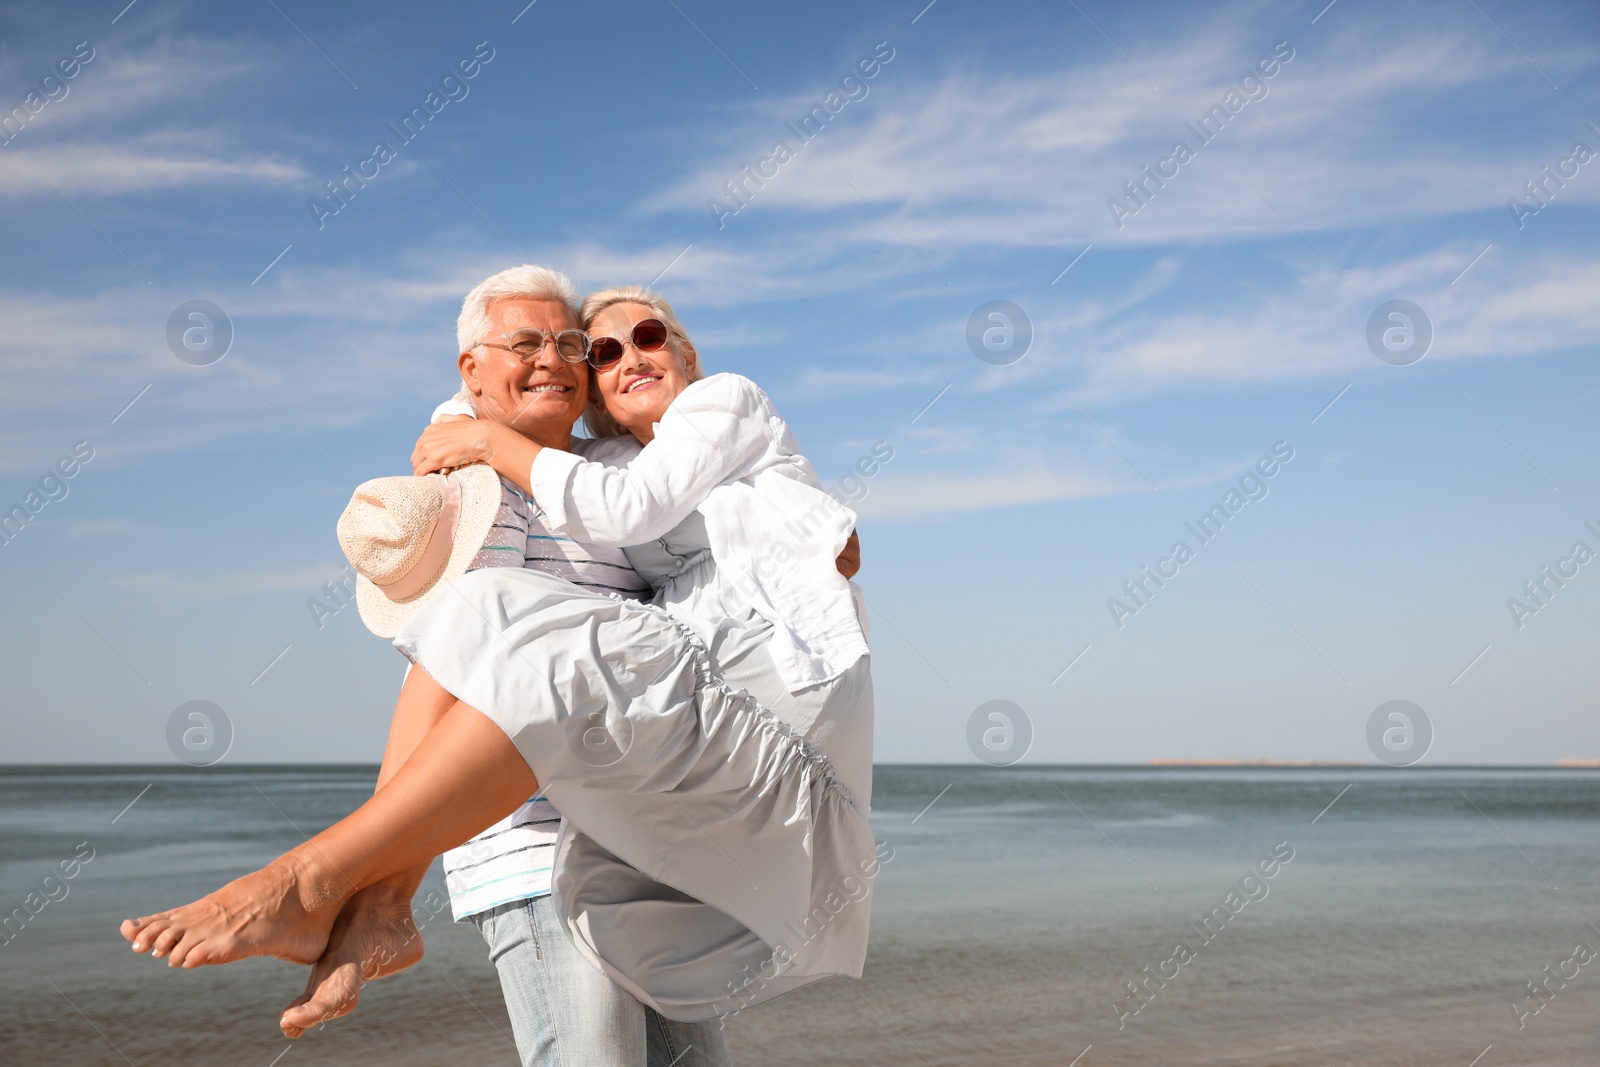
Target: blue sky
(1221,317)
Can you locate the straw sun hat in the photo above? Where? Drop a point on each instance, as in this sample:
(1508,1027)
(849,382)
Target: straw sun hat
(407,537)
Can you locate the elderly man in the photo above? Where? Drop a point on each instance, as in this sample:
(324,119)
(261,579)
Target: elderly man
(522,364)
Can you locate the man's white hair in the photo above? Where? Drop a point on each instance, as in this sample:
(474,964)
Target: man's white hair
(527,282)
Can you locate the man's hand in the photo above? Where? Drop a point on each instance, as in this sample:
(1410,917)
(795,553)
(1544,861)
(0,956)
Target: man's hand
(849,561)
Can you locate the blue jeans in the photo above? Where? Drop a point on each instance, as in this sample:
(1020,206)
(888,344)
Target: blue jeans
(565,1013)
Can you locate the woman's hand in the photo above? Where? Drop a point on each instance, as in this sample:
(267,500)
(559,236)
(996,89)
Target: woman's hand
(849,561)
(452,443)
(449,444)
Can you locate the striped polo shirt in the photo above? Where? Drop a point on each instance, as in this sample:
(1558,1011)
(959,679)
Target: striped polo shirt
(512,859)
(519,538)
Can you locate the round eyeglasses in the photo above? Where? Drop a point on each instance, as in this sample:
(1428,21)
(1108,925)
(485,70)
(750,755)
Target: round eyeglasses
(571,345)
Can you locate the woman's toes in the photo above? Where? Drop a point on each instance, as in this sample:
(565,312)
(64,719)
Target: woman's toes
(183,952)
(293,1021)
(145,931)
(164,941)
(335,995)
(258,915)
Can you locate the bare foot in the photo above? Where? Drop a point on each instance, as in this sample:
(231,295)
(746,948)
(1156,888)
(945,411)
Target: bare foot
(276,911)
(373,937)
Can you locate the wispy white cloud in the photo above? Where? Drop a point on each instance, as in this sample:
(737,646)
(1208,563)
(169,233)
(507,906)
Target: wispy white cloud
(136,119)
(926,494)
(168,588)
(972,475)
(328,347)
(1316,325)
(825,381)
(961,164)
(1296,320)
(337,348)
(968,161)
(132,167)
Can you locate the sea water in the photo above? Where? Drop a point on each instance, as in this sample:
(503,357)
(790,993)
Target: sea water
(1027,915)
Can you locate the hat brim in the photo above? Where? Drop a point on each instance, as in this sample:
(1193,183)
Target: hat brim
(480,503)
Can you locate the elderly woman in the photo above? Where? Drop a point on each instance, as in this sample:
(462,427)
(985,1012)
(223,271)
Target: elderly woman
(710,750)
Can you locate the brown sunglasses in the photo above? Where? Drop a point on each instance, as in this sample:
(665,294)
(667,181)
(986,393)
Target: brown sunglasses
(649,335)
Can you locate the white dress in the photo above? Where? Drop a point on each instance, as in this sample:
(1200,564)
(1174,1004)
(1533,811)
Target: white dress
(716,851)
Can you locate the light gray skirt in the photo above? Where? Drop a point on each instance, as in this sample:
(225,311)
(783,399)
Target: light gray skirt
(710,859)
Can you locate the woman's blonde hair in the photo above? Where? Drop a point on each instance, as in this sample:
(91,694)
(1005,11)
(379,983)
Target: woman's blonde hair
(596,419)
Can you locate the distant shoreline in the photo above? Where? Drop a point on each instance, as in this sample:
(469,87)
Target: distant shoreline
(1257,763)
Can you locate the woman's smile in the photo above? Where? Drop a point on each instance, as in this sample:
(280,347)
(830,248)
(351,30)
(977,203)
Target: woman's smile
(645,361)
